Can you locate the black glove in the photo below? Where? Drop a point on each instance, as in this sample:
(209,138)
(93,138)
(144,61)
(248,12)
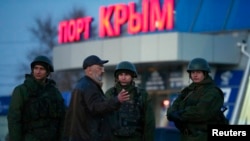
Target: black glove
(174,116)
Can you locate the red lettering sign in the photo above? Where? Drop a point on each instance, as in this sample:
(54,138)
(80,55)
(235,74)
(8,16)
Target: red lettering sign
(135,20)
(152,17)
(105,27)
(120,17)
(161,18)
(74,30)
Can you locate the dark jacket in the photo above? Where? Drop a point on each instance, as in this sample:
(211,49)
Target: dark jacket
(197,106)
(87,115)
(136,116)
(36,112)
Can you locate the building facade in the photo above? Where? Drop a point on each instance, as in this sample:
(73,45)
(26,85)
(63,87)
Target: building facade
(161,45)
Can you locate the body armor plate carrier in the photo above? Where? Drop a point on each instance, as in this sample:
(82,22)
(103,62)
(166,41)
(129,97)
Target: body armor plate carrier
(42,113)
(128,120)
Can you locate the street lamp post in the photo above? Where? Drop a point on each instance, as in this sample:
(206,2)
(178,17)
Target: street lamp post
(241,95)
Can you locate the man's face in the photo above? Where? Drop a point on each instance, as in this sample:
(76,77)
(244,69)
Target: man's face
(197,76)
(39,72)
(124,78)
(96,72)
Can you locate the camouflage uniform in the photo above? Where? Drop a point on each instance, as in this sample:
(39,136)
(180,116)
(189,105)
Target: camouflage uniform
(135,120)
(36,112)
(197,106)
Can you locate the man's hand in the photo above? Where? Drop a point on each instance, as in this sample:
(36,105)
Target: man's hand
(123,96)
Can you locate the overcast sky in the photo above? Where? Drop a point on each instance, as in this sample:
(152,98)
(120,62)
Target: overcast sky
(15,40)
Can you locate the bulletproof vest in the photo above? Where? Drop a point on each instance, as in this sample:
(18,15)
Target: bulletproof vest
(129,118)
(42,110)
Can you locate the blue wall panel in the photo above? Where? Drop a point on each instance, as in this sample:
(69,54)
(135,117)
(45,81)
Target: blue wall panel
(211,15)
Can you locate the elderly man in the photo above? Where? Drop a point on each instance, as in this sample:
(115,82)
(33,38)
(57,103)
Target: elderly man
(87,118)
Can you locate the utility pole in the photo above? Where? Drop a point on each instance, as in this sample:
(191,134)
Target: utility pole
(238,105)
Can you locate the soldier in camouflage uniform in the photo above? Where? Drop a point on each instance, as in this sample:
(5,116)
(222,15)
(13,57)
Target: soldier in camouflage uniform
(135,120)
(37,110)
(198,104)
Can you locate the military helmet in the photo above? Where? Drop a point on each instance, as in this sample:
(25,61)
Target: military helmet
(126,66)
(43,60)
(198,64)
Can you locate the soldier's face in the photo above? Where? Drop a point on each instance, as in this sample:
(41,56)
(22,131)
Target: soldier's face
(124,78)
(197,76)
(39,72)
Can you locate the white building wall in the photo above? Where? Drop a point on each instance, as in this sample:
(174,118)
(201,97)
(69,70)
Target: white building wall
(163,47)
